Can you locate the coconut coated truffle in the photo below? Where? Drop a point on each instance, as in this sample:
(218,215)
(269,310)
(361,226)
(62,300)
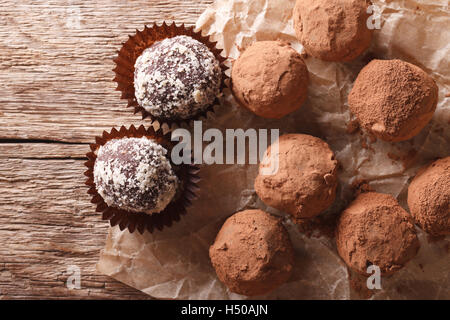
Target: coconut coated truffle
(304,180)
(429,198)
(270,79)
(333,30)
(134,174)
(252,253)
(393,100)
(376,230)
(177,78)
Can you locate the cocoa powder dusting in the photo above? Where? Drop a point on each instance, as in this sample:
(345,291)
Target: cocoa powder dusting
(359,285)
(406,159)
(333,30)
(320,226)
(306,180)
(360,186)
(429,198)
(393,100)
(270,79)
(376,230)
(252,253)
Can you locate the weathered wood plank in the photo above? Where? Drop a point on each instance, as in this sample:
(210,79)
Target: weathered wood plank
(56,84)
(56,63)
(47,224)
(45,151)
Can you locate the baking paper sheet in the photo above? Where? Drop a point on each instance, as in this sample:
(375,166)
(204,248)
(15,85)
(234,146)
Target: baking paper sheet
(174,264)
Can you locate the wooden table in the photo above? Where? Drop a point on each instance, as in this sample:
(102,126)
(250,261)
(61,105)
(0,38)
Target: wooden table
(56,95)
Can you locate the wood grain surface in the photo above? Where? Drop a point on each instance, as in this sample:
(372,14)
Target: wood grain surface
(56,95)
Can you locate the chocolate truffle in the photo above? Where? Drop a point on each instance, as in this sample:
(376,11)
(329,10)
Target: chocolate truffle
(252,253)
(333,30)
(376,230)
(393,100)
(177,78)
(270,79)
(429,198)
(304,180)
(134,174)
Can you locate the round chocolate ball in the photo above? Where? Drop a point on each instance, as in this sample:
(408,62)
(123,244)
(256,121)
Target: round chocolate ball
(333,30)
(252,253)
(270,79)
(177,78)
(429,198)
(134,174)
(376,230)
(393,100)
(298,175)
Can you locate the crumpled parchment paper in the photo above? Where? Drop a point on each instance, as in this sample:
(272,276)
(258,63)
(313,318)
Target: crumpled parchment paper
(174,264)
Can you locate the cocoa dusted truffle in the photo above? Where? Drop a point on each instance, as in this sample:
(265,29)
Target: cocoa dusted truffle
(270,79)
(252,253)
(304,180)
(376,230)
(429,198)
(333,30)
(393,100)
(134,174)
(177,78)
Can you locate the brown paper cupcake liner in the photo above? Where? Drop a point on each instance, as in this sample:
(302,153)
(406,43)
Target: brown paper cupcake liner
(133,48)
(187,174)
